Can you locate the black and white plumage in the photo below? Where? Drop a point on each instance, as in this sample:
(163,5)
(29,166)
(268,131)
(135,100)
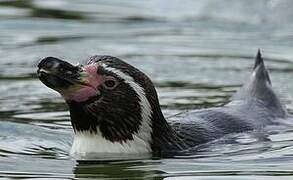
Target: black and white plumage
(114,108)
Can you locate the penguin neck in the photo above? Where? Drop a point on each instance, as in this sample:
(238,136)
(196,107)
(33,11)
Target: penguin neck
(88,137)
(164,137)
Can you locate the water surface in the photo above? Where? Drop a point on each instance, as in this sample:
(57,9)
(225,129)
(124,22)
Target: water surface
(198,53)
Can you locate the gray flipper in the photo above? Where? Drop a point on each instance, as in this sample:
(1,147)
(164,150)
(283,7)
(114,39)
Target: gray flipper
(259,87)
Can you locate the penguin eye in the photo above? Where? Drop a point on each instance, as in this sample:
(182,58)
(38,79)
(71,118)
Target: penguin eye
(110,83)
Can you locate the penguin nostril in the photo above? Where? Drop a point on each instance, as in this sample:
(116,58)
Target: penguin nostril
(61,69)
(49,65)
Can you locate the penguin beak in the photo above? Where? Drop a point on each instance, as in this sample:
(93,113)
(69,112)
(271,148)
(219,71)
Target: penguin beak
(61,75)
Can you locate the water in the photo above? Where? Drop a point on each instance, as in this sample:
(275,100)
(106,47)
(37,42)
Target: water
(197,53)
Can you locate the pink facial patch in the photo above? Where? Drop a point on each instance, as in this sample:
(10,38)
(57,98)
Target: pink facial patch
(82,93)
(94,79)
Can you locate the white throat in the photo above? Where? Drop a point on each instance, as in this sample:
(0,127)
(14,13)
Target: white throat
(86,142)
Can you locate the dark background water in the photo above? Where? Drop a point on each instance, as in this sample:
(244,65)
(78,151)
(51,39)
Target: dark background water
(198,53)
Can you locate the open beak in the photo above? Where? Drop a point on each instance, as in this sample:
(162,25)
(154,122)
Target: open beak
(61,75)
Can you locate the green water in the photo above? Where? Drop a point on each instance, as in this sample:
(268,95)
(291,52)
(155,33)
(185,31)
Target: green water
(198,53)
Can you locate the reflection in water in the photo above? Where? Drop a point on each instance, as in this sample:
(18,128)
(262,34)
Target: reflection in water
(112,170)
(198,53)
